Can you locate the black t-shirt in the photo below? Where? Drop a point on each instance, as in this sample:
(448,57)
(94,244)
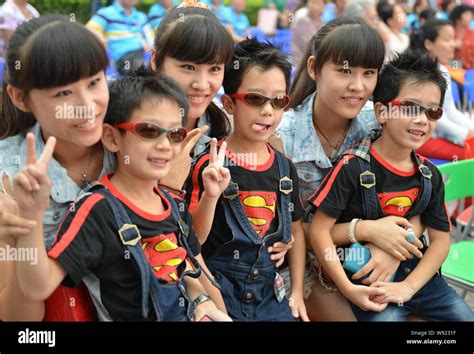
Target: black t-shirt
(88,244)
(258,192)
(339,195)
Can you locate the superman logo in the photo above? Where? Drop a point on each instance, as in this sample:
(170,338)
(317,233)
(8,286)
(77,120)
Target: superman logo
(164,256)
(398,203)
(260,209)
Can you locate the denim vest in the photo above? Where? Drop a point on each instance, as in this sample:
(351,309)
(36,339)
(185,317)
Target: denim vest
(303,147)
(64,190)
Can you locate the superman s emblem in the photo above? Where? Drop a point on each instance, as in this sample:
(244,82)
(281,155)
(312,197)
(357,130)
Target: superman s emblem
(398,203)
(164,256)
(260,209)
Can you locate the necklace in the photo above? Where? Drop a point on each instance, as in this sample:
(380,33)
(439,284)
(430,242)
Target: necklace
(335,147)
(83,175)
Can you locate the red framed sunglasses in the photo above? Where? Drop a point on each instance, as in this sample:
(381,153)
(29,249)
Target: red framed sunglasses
(413,109)
(257,100)
(152,131)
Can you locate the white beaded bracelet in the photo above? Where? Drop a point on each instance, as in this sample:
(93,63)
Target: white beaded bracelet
(351,230)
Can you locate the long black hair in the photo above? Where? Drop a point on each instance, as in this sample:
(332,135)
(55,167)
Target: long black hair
(46,52)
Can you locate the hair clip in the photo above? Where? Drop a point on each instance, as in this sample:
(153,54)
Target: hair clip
(194,3)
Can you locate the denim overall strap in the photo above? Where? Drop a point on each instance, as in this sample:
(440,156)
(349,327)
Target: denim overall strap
(183,240)
(426,187)
(286,188)
(233,205)
(370,200)
(130,237)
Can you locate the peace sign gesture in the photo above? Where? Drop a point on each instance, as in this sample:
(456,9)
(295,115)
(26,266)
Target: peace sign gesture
(215,176)
(32,185)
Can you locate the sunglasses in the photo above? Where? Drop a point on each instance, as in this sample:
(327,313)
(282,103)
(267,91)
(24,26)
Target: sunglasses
(413,109)
(151,131)
(258,100)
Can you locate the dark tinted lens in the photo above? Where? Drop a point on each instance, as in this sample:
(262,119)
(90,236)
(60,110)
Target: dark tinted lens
(281,101)
(254,99)
(148,131)
(177,135)
(434,113)
(411,109)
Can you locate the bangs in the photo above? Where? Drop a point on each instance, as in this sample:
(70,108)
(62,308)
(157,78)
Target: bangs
(61,53)
(200,40)
(357,45)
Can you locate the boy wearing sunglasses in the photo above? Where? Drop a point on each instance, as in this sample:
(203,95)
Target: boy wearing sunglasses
(382,176)
(127,239)
(259,203)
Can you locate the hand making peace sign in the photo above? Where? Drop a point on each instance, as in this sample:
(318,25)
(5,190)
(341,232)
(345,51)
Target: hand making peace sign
(31,185)
(215,176)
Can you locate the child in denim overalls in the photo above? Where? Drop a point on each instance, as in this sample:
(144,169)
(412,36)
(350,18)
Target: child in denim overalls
(255,202)
(383,176)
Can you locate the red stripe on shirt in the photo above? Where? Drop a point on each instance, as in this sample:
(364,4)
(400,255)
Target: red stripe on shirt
(76,224)
(195,180)
(331,179)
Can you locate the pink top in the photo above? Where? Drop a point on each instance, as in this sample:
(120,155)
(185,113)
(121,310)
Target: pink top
(12,15)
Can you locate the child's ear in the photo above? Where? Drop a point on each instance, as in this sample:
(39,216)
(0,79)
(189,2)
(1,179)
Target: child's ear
(310,67)
(381,112)
(228,104)
(18,98)
(110,138)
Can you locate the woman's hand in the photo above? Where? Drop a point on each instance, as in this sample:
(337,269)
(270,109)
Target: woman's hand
(362,296)
(181,164)
(215,176)
(11,224)
(388,234)
(381,266)
(280,249)
(31,185)
(397,293)
(209,309)
(298,308)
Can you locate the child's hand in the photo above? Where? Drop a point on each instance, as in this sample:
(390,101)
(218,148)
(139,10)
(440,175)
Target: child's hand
(280,249)
(298,308)
(210,310)
(362,296)
(215,176)
(381,266)
(31,185)
(398,292)
(11,224)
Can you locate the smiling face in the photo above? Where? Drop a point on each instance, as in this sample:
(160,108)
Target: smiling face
(257,124)
(72,113)
(409,132)
(200,82)
(149,159)
(342,90)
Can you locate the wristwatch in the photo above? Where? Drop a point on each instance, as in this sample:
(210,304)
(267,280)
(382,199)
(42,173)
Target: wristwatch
(196,302)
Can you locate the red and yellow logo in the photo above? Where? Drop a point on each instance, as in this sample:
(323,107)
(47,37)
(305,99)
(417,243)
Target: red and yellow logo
(260,209)
(398,203)
(164,255)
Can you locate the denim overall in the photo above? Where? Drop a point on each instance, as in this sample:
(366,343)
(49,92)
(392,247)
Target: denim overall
(168,299)
(243,267)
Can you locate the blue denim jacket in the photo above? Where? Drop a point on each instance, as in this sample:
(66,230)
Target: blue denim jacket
(302,145)
(63,190)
